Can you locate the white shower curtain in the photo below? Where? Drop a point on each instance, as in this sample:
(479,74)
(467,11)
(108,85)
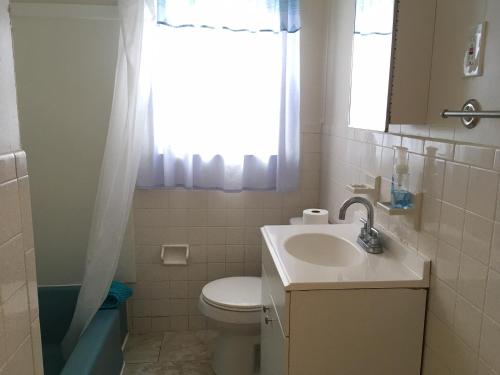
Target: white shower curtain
(128,120)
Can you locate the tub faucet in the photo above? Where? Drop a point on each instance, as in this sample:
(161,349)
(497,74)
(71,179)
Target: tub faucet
(368,238)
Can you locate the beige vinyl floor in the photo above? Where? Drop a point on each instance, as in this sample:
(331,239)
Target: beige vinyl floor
(170,353)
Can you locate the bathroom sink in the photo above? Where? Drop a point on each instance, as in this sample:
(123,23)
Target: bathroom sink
(323,249)
(327,256)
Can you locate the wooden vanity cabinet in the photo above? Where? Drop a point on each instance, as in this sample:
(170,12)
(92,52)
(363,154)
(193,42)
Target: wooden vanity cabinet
(339,331)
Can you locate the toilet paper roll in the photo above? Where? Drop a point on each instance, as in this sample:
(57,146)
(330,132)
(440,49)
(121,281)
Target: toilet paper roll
(315,216)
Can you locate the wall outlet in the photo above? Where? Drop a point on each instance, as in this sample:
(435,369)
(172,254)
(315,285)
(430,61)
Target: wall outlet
(474,52)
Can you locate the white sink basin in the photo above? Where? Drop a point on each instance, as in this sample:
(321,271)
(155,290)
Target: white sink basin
(309,257)
(323,249)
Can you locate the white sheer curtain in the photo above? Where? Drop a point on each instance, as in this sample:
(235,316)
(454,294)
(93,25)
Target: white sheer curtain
(128,120)
(226,103)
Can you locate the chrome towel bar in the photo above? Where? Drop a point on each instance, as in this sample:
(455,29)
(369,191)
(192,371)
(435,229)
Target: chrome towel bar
(470,114)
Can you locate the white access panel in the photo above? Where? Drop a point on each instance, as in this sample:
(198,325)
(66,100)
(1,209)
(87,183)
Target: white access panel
(356,332)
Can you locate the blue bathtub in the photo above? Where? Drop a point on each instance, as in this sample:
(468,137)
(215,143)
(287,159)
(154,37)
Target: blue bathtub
(98,351)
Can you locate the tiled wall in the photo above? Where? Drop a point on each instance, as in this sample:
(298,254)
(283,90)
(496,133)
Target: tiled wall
(223,231)
(20,344)
(460,234)
(458,172)
(223,228)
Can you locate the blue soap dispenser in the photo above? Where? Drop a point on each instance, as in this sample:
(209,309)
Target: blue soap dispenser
(400,193)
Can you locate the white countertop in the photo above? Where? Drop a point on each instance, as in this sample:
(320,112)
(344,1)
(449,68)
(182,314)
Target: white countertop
(397,267)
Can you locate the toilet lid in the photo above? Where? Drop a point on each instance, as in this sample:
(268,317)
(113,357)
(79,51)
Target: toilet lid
(234,293)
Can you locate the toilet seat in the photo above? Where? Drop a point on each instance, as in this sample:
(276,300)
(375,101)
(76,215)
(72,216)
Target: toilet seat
(232,300)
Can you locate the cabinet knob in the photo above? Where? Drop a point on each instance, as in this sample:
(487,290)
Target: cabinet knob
(265,309)
(268,320)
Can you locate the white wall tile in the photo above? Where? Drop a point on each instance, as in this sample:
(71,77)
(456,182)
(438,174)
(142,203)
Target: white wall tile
(468,323)
(16,320)
(484,369)
(235,253)
(198,254)
(179,323)
(387,163)
(490,342)
(151,199)
(391,140)
(495,248)
(3,339)
(447,264)
(472,280)
(160,307)
(414,145)
(496,161)
(31,284)
(416,167)
(151,217)
(465,358)
(197,199)
(179,198)
(432,364)
(196,272)
(12,268)
(442,301)
(477,236)
(159,289)
(26,216)
(218,199)
(451,225)
(428,245)
(492,304)
(438,149)
(455,183)
(178,289)
(216,217)
(141,307)
(433,177)
(36,345)
(160,323)
(482,192)
(439,338)
(141,325)
(21,362)
(215,271)
(475,155)
(7,168)
(216,253)
(21,164)
(431,215)
(10,211)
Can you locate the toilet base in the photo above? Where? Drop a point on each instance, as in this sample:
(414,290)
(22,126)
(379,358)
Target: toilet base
(236,354)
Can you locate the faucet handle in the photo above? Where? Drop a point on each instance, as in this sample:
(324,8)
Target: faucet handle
(363,221)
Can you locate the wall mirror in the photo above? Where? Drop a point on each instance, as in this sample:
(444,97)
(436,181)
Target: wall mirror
(371,65)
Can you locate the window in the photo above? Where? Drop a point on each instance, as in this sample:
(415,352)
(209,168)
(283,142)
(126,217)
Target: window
(225,95)
(217,92)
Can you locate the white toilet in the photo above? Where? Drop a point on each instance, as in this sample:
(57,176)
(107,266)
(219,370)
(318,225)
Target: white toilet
(235,303)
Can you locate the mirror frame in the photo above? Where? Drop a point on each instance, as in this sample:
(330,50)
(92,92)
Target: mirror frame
(391,69)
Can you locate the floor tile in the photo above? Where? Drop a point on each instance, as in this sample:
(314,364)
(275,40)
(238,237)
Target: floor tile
(170,353)
(143,348)
(157,368)
(184,347)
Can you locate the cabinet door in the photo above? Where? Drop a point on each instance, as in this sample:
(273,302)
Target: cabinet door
(280,298)
(412,62)
(274,344)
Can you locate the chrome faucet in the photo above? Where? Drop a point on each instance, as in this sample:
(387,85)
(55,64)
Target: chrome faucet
(368,239)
